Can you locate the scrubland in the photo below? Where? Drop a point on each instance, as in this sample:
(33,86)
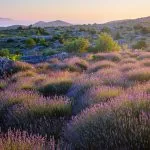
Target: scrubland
(95,101)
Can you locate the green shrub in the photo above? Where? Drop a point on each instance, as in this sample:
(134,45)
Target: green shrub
(43,42)
(49,52)
(78,45)
(3,84)
(115,57)
(58,87)
(4,53)
(105,43)
(140,45)
(145,30)
(56,108)
(30,42)
(106,30)
(14,57)
(41,31)
(118,36)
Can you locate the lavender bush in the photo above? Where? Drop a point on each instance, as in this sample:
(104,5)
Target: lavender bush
(120,124)
(92,101)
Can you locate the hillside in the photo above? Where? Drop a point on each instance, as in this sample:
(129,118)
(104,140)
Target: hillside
(145,21)
(57,23)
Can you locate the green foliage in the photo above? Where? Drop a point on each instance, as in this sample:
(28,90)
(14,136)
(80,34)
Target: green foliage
(43,42)
(105,43)
(138,27)
(140,45)
(145,30)
(6,53)
(51,110)
(142,29)
(78,45)
(59,37)
(41,31)
(49,52)
(14,57)
(56,88)
(30,42)
(118,36)
(106,30)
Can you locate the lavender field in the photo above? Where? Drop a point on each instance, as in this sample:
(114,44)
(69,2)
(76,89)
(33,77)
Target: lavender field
(85,102)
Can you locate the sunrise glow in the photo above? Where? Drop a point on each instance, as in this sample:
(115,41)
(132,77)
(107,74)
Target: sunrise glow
(85,11)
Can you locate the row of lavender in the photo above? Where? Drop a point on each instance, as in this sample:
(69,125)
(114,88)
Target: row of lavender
(95,101)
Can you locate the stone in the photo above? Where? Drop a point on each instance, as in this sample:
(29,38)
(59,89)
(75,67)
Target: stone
(5,67)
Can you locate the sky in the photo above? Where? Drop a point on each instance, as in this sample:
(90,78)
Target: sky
(74,11)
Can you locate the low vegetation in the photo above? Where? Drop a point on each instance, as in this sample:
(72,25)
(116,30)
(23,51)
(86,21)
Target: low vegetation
(105,43)
(75,88)
(78,45)
(99,101)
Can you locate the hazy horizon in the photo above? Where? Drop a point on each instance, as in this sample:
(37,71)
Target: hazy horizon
(30,22)
(75,12)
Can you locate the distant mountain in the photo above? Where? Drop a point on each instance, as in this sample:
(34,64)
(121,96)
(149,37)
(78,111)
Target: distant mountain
(5,19)
(145,21)
(57,23)
(6,22)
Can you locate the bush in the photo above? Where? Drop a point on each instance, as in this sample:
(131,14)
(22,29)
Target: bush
(99,95)
(56,87)
(145,63)
(101,65)
(4,53)
(118,36)
(106,30)
(140,45)
(15,140)
(49,52)
(124,124)
(78,45)
(21,66)
(105,43)
(3,84)
(128,67)
(43,42)
(75,64)
(26,110)
(115,57)
(139,75)
(55,108)
(30,42)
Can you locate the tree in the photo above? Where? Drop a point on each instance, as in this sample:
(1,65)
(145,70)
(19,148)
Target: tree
(30,42)
(105,43)
(118,36)
(78,45)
